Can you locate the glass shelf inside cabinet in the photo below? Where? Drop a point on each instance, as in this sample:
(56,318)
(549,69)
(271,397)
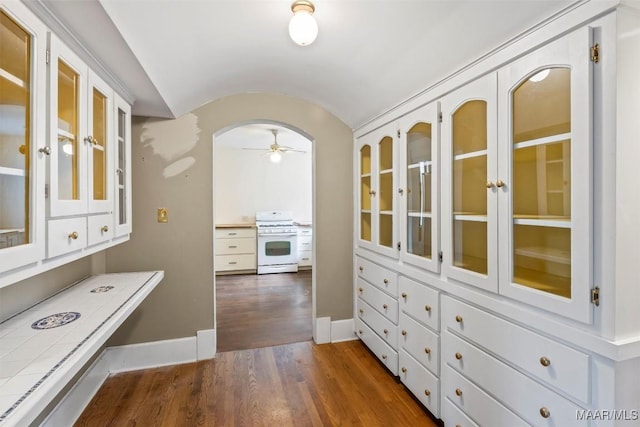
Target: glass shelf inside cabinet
(470,240)
(15,139)
(541,195)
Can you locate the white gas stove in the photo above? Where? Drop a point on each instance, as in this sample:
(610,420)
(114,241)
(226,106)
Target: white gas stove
(277,242)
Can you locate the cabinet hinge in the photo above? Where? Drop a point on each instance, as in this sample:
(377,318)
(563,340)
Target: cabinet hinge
(595,53)
(399,245)
(47,56)
(398,133)
(595,296)
(440,117)
(440,256)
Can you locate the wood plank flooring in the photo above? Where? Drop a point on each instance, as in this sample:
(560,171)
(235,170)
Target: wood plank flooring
(299,384)
(262,310)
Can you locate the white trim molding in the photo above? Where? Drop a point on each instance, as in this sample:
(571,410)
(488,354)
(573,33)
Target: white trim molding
(328,331)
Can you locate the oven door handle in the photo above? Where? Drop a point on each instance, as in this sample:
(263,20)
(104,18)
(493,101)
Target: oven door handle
(277,235)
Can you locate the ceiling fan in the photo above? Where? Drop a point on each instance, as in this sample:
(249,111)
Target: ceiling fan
(275,150)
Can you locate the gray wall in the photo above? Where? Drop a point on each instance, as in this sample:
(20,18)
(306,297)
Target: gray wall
(172,168)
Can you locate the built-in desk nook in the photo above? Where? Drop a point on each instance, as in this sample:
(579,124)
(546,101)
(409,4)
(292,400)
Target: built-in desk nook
(43,347)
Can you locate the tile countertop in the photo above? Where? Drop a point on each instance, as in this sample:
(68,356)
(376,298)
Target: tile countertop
(44,347)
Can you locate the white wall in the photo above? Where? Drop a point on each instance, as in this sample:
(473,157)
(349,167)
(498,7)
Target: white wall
(247,181)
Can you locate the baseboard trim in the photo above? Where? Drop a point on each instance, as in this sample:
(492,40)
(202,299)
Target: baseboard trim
(322,330)
(342,330)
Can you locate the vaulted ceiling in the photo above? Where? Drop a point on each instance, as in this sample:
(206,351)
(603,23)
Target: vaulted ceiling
(370,55)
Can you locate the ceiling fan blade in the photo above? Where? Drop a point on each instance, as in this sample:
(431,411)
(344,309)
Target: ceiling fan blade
(257,149)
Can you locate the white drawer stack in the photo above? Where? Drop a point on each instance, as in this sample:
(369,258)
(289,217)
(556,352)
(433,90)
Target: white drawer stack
(377,311)
(419,342)
(542,382)
(235,250)
(305,246)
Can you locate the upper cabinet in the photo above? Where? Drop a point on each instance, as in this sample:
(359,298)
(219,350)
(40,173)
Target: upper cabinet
(22,127)
(419,187)
(122,114)
(376,154)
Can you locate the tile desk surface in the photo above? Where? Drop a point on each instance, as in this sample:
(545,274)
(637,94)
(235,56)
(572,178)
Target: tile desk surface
(43,347)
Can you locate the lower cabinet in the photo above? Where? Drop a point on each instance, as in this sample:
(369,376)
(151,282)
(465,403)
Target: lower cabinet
(236,250)
(305,246)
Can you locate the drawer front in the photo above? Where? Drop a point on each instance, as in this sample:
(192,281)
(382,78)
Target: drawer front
(519,393)
(235,246)
(304,231)
(305,243)
(423,384)
(452,416)
(477,404)
(384,279)
(99,228)
(420,342)
(59,232)
(226,233)
(567,369)
(420,302)
(235,262)
(380,324)
(379,300)
(305,258)
(386,355)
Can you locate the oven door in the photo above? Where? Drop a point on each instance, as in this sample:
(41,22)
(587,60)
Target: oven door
(277,249)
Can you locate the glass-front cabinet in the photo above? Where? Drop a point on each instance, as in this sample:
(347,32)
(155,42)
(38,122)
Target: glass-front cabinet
(376,154)
(419,188)
(470,184)
(545,205)
(122,114)
(22,120)
(99,140)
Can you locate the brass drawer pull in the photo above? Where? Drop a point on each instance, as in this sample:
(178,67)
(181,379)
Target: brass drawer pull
(361,311)
(544,361)
(385,306)
(458,392)
(232,246)
(361,269)
(384,357)
(404,370)
(544,412)
(489,184)
(73,235)
(104,228)
(427,350)
(360,290)
(404,333)
(458,356)
(404,295)
(459,318)
(360,332)
(386,331)
(427,308)
(385,281)
(427,392)
(500,183)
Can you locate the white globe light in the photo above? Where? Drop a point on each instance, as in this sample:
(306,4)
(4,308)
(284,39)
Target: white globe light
(275,156)
(303,27)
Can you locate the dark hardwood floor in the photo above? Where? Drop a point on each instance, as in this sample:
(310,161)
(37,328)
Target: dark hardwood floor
(301,384)
(258,311)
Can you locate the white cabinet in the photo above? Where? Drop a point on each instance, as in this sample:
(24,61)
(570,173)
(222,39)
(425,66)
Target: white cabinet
(305,246)
(377,201)
(122,197)
(22,136)
(235,250)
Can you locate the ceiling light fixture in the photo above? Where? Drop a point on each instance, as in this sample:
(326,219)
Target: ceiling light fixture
(275,156)
(303,27)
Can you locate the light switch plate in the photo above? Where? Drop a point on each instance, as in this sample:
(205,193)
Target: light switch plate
(163,215)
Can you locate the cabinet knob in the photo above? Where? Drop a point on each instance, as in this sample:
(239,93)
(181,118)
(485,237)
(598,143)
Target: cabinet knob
(104,228)
(500,183)
(458,356)
(404,370)
(404,333)
(89,140)
(384,357)
(489,184)
(459,318)
(544,412)
(544,361)
(400,191)
(458,392)
(427,350)
(385,306)
(372,193)
(361,311)
(427,392)
(45,150)
(404,295)
(73,235)
(360,268)
(386,331)
(360,290)
(385,281)
(359,331)
(427,307)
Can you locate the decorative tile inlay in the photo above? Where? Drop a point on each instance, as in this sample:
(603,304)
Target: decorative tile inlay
(55,320)
(100,289)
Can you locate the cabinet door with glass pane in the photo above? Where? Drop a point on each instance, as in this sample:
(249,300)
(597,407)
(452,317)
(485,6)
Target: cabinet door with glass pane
(22,132)
(419,188)
(545,163)
(376,174)
(68,126)
(122,115)
(99,143)
(469,184)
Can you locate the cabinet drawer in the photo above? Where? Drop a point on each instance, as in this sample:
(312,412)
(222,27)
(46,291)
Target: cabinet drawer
(99,228)
(225,233)
(379,300)
(419,342)
(568,369)
(519,393)
(384,279)
(423,384)
(60,233)
(386,355)
(305,258)
(420,302)
(480,407)
(452,416)
(305,243)
(380,324)
(304,231)
(235,246)
(236,262)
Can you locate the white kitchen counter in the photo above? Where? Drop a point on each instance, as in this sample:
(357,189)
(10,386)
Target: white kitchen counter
(44,347)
